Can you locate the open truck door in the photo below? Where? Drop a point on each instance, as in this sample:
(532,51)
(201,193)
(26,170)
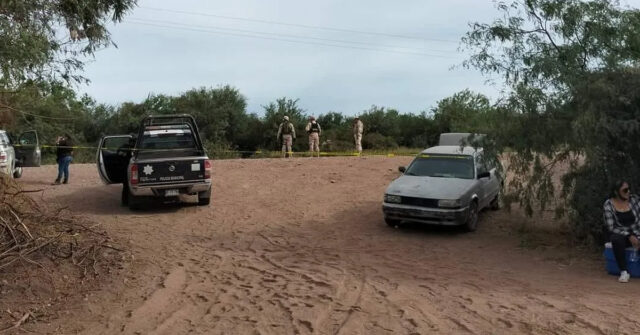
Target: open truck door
(27,150)
(114,153)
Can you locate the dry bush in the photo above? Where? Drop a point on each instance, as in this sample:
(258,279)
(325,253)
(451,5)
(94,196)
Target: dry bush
(46,256)
(28,232)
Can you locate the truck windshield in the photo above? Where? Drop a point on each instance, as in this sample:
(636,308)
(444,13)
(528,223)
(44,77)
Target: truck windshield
(167,139)
(443,166)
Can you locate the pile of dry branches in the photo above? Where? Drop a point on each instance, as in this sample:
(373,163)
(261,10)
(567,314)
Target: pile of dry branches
(30,233)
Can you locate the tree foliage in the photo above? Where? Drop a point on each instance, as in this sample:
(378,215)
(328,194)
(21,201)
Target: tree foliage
(464,112)
(274,113)
(46,40)
(53,109)
(555,56)
(224,122)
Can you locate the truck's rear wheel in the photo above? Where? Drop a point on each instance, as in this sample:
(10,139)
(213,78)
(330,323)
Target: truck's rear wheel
(135,202)
(204,198)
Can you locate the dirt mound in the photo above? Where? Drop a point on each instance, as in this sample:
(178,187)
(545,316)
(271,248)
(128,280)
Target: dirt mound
(45,255)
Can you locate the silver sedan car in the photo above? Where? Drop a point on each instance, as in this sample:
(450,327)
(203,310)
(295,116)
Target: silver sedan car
(443,185)
(15,156)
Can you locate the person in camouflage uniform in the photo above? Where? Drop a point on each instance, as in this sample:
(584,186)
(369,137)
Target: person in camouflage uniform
(314,131)
(358,128)
(286,133)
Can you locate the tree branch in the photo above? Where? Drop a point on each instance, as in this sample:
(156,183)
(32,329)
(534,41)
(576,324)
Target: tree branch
(544,29)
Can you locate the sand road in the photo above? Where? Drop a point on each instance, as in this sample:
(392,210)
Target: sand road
(300,247)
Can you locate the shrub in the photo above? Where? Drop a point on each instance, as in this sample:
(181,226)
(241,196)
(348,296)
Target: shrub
(377,141)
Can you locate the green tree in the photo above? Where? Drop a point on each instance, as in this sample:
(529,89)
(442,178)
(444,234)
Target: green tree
(464,112)
(274,112)
(252,137)
(54,109)
(381,128)
(331,120)
(100,122)
(336,132)
(554,55)
(418,131)
(381,120)
(45,40)
(127,118)
(220,113)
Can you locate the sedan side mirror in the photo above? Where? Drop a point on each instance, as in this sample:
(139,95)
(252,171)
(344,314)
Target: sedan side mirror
(484,175)
(402,169)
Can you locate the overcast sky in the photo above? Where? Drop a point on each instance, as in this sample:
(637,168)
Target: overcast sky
(404,60)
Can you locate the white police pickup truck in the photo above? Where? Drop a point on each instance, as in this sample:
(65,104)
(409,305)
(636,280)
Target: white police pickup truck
(444,185)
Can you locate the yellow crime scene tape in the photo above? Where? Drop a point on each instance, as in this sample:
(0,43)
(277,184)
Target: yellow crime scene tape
(241,152)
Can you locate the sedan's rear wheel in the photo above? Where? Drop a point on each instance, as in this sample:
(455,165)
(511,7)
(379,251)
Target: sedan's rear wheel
(496,204)
(472,218)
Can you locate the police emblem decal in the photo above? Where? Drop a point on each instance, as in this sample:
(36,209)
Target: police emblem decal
(148,169)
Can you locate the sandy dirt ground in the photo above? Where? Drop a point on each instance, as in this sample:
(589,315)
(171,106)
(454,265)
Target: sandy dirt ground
(299,246)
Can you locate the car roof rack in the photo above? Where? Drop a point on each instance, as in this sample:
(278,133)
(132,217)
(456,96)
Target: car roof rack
(171,119)
(155,120)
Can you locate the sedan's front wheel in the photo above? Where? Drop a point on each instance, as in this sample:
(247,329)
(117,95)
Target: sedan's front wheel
(472,219)
(392,222)
(17,172)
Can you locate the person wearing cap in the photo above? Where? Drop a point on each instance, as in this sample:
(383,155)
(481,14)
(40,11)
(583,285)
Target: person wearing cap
(286,133)
(314,131)
(358,128)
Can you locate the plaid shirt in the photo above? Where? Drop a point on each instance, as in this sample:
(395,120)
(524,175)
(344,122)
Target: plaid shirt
(611,220)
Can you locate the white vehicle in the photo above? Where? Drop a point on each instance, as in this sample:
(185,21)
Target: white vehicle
(15,156)
(444,185)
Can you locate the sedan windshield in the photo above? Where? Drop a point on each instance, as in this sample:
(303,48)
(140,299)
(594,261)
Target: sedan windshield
(443,166)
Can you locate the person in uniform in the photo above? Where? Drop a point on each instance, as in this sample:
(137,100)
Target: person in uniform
(286,133)
(358,128)
(314,131)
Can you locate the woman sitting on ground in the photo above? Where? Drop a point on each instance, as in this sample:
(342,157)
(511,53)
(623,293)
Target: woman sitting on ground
(622,219)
